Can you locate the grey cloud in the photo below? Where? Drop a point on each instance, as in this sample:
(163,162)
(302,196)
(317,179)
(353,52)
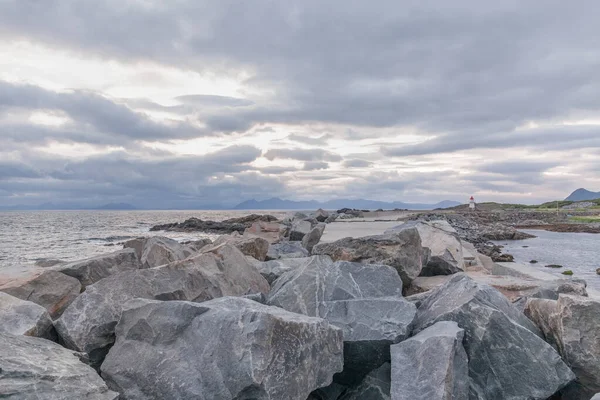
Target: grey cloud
(357,163)
(10,170)
(302,155)
(214,101)
(523,166)
(277,170)
(315,165)
(319,140)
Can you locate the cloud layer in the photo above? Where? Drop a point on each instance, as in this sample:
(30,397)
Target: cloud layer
(197,103)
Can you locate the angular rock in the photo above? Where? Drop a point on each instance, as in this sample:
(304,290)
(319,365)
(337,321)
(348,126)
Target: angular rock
(365,301)
(551,290)
(320,215)
(88,324)
(93,269)
(496,334)
(401,250)
(34,368)
(273,269)
(197,245)
(286,250)
(270,231)
(20,317)
(375,386)
(432,365)
(255,247)
(446,253)
(156,251)
(50,289)
(228,348)
(571,324)
(313,237)
(299,230)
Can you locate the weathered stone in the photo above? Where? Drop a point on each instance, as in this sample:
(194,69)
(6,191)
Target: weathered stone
(273,269)
(446,253)
(496,334)
(401,250)
(364,300)
(197,245)
(596,397)
(571,324)
(286,250)
(93,269)
(20,317)
(299,230)
(157,250)
(432,365)
(33,368)
(255,247)
(311,239)
(270,231)
(375,386)
(320,215)
(50,289)
(551,290)
(228,348)
(88,324)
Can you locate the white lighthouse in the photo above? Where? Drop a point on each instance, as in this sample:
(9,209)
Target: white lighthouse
(472,203)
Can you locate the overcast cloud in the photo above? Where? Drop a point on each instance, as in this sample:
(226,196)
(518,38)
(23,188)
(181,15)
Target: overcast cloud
(201,103)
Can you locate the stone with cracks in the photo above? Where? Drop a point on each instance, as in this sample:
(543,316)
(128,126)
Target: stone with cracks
(50,289)
(273,269)
(33,368)
(286,250)
(313,237)
(223,349)
(446,252)
(88,324)
(496,334)
(93,269)
(571,324)
(157,250)
(320,215)
(270,231)
(432,365)
(364,300)
(375,386)
(255,247)
(401,250)
(20,317)
(299,230)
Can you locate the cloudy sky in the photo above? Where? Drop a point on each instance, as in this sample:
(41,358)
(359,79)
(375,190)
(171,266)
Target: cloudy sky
(185,103)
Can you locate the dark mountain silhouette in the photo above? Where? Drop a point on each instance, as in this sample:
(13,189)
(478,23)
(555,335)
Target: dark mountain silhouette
(583,194)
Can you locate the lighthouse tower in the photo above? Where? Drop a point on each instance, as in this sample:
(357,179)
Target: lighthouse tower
(472,203)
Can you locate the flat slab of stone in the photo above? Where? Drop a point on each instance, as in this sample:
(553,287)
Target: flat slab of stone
(34,368)
(223,349)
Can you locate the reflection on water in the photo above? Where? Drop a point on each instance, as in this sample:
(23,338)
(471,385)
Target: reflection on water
(579,252)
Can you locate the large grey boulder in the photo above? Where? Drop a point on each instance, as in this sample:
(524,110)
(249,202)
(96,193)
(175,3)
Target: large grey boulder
(88,324)
(50,289)
(313,237)
(255,247)
(228,348)
(299,229)
(365,301)
(375,386)
(320,215)
(446,252)
(401,250)
(496,334)
(157,250)
(33,369)
(20,317)
(571,323)
(273,269)
(93,269)
(432,365)
(286,250)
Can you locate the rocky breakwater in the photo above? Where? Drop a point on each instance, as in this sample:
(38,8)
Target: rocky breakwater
(215,324)
(479,228)
(220,227)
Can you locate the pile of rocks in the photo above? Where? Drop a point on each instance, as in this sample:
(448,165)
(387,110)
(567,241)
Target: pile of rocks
(162,320)
(220,227)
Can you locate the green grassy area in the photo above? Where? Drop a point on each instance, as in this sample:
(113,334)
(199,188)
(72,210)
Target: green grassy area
(586,219)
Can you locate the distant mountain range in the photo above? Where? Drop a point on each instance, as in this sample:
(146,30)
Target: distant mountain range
(583,194)
(279,204)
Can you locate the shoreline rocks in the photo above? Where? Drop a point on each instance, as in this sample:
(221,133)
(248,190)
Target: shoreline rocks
(221,227)
(20,317)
